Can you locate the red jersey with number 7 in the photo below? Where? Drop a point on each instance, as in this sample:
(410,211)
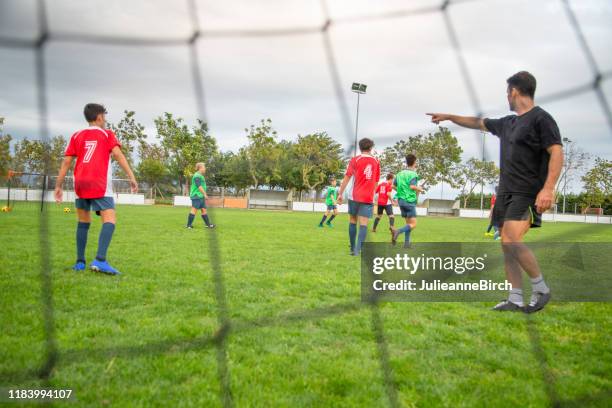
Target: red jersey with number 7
(92,172)
(365,171)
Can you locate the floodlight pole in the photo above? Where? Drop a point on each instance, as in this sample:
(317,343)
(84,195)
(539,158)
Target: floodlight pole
(358,89)
(566,141)
(356,125)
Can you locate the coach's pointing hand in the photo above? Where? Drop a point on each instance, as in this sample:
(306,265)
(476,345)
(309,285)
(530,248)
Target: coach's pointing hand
(438,117)
(544,200)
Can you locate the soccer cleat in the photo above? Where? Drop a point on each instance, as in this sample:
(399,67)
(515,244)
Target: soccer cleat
(496,236)
(394,234)
(488,234)
(320,225)
(211,226)
(537,302)
(189,227)
(507,306)
(407,245)
(329,225)
(79,266)
(104,267)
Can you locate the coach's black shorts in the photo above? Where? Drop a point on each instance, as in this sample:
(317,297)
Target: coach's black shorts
(515,207)
(386,208)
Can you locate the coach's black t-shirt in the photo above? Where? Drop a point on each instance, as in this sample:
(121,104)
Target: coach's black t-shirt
(523,156)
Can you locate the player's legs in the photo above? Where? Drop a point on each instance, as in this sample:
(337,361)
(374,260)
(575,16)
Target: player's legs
(84,221)
(334,212)
(325,215)
(106,208)
(389,211)
(379,214)
(192,213)
(352,210)
(205,217)
(364,214)
(409,214)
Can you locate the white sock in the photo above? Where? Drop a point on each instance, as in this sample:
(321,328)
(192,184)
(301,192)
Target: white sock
(516,296)
(538,285)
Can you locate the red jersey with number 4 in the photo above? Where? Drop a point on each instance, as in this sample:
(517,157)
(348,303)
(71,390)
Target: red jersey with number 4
(365,171)
(383,190)
(92,172)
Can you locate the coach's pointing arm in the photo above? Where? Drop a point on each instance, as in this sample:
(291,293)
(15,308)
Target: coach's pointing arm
(470,122)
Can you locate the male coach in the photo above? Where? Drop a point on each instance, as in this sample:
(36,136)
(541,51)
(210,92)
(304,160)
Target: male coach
(531,158)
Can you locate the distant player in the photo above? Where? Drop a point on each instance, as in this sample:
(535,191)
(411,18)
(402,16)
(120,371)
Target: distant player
(364,170)
(531,159)
(331,197)
(492,225)
(408,189)
(93,148)
(384,201)
(198,196)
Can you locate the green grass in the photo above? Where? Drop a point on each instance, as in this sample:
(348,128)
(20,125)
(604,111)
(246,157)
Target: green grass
(299,335)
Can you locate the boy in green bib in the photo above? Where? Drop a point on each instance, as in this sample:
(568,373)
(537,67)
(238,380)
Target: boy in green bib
(407,192)
(331,197)
(198,196)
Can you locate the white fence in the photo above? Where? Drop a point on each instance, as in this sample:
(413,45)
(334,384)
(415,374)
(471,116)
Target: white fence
(22,194)
(343,208)
(586,218)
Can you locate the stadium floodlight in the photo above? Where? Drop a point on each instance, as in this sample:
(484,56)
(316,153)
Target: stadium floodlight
(358,89)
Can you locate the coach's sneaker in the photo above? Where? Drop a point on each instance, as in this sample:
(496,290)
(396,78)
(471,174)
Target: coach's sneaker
(507,306)
(104,267)
(537,302)
(79,266)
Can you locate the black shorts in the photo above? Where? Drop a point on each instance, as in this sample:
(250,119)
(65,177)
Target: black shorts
(515,207)
(386,208)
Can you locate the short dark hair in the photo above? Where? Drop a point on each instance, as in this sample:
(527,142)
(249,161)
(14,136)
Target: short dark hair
(524,83)
(332,178)
(92,110)
(366,144)
(410,159)
(390,176)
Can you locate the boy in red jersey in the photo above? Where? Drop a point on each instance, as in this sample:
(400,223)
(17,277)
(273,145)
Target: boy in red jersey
(383,203)
(364,170)
(93,147)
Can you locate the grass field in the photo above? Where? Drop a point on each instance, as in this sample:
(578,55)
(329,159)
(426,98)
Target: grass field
(298,333)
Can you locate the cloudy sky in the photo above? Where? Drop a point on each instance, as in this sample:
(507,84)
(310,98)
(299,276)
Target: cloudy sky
(407,62)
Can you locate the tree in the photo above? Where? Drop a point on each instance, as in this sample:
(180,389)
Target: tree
(183,147)
(597,183)
(438,156)
(5,151)
(236,170)
(574,160)
(152,169)
(318,157)
(131,135)
(474,173)
(36,156)
(263,154)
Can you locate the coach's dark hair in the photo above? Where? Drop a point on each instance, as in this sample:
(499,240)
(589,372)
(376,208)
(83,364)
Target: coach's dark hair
(366,144)
(524,83)
(92,110)
(410,159)
(390,176)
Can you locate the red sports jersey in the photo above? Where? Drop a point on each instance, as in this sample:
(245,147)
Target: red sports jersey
(365,171)
(92,172)
(383,190)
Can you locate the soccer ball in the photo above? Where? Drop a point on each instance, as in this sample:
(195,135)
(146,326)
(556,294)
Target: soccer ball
(67,210)
(6,209)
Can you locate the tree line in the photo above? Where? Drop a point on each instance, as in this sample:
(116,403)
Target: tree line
(166,163)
